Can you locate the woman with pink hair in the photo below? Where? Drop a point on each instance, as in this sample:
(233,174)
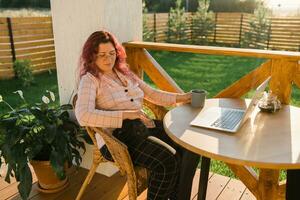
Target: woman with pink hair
(111,96)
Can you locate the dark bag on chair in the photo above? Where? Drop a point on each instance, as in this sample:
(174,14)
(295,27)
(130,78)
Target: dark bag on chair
(132,132)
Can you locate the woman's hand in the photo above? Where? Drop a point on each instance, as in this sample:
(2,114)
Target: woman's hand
(184,98)
(139,114)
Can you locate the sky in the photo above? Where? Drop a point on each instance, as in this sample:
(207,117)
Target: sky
(284,7)
(284,3)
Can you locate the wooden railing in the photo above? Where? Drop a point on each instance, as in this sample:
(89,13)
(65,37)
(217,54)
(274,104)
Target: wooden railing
(284,67)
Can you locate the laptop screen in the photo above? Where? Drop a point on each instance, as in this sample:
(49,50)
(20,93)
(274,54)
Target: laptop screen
(257,95)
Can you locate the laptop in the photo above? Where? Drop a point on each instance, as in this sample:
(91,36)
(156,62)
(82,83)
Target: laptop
(229,119)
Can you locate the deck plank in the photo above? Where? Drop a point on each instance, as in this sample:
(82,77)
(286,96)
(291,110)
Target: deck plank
(115,188)
(195,185)
(233,190)
(215,186)
(247,195)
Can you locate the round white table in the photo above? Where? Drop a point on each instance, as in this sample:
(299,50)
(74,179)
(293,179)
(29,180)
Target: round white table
(269,141)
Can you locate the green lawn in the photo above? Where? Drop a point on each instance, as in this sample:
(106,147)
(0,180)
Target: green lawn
(212,73)
(33,94)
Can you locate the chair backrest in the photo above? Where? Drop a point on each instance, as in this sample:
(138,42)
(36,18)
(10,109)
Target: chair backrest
(74,100)
(120,153)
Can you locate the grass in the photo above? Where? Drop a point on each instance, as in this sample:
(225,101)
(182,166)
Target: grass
(33,94)
(212,73)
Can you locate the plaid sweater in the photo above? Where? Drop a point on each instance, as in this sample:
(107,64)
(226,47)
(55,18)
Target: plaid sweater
(101,102)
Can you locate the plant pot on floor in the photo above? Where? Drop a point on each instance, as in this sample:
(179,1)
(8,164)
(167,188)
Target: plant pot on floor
(48,182)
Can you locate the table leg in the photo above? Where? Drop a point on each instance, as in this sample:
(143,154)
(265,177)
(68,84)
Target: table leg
(205,163)
(268,187)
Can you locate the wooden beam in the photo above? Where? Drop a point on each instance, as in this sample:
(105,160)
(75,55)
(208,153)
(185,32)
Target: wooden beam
(156,73)
(297,75)
(133,61)
(282,189)
(215,50)
(297,80)
(247,175)
(268,184)
(283,72)
(251,80)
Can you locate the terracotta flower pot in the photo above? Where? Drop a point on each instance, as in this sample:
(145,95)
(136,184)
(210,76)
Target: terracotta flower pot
(48,182)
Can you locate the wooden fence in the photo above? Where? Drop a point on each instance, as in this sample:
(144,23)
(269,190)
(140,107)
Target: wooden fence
(230,30)
(26,38)
(32,37)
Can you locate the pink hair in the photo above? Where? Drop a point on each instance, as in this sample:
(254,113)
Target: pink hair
(90,49)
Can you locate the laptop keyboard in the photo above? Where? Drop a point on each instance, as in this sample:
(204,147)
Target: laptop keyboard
(228,119)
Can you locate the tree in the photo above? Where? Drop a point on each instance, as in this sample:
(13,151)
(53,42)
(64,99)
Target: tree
(166,5)
(260,31)
(147,33)
(25,3)
(203,23)
(232,6)
(177,24)
(159,5)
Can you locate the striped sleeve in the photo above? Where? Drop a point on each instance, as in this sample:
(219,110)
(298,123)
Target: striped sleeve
(157,97)
(85,110)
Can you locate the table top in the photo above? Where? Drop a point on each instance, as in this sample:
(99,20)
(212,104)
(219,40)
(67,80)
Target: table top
(266,140)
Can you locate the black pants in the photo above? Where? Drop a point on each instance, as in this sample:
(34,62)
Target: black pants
(292,185)
(171,176)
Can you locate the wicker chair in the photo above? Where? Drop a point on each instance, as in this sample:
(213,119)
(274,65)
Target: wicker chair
(136,176)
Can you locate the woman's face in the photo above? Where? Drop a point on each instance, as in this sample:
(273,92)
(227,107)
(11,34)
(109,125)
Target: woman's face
(106,57)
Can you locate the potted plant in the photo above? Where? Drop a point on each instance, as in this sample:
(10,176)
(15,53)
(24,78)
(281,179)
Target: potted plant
(40,132)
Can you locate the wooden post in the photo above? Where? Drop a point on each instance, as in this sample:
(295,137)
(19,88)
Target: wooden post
(154,26)
(215,32)
(11,39)
(241,29)
(133,61)
(269,35)
(192,26)
(282,72)
(169,28)
(268,184)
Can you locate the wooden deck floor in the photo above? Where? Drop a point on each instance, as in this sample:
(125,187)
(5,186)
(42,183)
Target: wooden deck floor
(112,188)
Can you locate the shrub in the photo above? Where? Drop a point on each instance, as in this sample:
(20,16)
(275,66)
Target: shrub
(203,23)
(177,25)
(148,34)
(260,31)
(23,72)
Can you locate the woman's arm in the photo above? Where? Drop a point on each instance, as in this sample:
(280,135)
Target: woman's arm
(184,98)
(86,112)
(163,98)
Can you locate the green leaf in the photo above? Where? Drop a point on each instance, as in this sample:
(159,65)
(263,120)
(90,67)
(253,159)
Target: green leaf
(57,162)
(38,113)
(64,115)
(50,131)
(9,121)
(9,170)
(66,107)
(25,182)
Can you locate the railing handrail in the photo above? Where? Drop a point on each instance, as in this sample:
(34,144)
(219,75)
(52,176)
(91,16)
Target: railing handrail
(258,53)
